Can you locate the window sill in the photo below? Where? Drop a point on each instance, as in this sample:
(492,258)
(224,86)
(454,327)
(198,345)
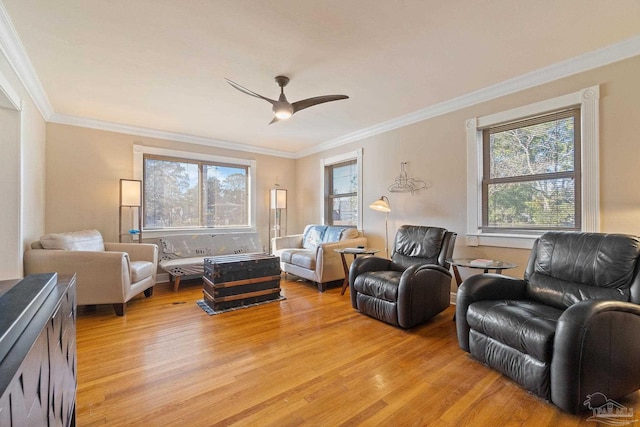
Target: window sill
(156,233)
(519,241)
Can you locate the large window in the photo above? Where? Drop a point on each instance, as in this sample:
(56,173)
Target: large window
(342,184)
(189,191)
(531,174)
(533,168)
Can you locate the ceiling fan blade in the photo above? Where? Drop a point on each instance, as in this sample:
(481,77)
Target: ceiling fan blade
(310,102)
(248,92)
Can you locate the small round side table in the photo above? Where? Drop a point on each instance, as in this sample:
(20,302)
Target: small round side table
(482,264)
(477,263)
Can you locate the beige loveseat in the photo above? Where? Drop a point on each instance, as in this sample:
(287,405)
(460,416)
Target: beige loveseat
(312,256)
(106,273)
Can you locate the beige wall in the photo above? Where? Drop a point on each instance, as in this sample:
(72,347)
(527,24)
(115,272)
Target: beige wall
(84,167)
(436,152)
(22,166)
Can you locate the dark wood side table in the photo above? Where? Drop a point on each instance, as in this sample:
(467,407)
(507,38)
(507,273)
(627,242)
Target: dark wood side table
(355,252)
(482,264)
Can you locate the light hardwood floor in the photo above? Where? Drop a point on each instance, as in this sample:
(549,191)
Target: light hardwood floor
(308,360)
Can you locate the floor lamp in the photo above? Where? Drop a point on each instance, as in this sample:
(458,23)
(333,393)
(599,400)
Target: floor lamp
(277,213)
(382,205)
(131,197)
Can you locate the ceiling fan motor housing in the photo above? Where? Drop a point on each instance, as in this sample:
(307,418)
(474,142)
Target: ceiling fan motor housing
(282,80)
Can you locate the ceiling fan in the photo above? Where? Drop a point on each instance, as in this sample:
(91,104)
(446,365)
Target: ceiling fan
(283,109)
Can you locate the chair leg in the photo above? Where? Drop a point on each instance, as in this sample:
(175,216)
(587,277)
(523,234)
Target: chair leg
(148,292)
(176,283)
(119,308)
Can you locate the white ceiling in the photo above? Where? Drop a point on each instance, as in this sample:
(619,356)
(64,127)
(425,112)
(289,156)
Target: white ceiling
(160,64)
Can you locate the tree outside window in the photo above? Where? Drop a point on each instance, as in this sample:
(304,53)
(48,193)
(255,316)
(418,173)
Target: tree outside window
(341,199)
(531,171)
(182,193)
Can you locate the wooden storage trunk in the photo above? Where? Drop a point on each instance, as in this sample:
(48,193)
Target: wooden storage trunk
(236,280)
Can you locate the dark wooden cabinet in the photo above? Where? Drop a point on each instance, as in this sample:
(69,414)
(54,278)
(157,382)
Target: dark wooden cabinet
(38,351)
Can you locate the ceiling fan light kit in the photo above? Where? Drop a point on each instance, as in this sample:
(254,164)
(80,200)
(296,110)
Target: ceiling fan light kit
(283,109)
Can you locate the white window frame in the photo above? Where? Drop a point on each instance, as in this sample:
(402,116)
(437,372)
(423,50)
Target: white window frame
(138,166)
(588,101)
(328,161)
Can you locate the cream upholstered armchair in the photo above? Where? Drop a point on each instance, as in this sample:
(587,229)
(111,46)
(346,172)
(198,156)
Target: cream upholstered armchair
(106,273)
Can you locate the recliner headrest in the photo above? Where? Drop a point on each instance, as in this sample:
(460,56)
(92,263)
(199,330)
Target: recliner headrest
(597,259)
(419,241)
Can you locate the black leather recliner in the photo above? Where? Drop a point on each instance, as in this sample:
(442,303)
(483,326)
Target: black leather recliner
(411,288)
(570,329)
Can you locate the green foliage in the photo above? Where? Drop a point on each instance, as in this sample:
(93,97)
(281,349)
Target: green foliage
(530,182)
(344,200)
(193,194)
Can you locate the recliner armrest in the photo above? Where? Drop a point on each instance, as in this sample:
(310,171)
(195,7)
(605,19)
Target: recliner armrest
(364,264)
(418,273)
(490,286)
(595,339)
(416,269)
(481,287)
(422,287)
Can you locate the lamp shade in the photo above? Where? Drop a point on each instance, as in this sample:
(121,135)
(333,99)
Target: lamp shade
(381,205)
(130,192)
(278,198)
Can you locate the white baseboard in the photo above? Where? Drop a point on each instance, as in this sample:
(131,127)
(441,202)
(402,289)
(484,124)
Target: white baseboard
(452,298)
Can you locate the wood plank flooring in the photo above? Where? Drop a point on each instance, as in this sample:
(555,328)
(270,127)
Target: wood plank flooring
(308,360)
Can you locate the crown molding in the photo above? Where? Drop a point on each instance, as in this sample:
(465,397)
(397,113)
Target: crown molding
(14,51)
(84,122)
(590,60)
